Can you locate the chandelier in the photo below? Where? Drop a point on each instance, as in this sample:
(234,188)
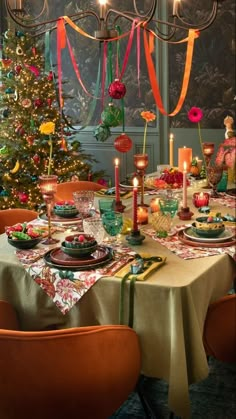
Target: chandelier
(105,17)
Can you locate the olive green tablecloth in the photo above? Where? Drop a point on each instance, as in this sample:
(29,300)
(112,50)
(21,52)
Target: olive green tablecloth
(169,311)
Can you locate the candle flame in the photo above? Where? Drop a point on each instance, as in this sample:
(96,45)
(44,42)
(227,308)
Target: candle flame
(116,162)
(102,2)
(135,182)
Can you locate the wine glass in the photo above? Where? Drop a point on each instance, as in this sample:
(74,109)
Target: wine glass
(214,175)
(112,222)
(84,202)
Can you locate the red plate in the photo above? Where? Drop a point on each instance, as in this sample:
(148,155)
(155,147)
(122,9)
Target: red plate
(60,258)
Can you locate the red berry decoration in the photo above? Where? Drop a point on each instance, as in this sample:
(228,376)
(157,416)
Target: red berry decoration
(81,238)
(23,197)
(117,89)
(123,143)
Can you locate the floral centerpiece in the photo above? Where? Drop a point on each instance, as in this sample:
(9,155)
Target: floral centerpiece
(48,128)
(148,116)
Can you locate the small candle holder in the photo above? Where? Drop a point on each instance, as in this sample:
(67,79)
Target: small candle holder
(154,205)
(135,237)
(48,188)
(141,163)
(142,214)
(185,214)
(201,199)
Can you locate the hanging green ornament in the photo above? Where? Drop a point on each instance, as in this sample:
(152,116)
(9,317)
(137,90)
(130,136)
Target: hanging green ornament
(10,75)
(111,116)
(102,132)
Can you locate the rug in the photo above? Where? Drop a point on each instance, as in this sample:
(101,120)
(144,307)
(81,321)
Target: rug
(212,398)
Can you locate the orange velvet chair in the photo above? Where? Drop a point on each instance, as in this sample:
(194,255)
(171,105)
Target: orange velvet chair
(65,190)
(12,216)
(85,372)
(219,335)
(8,317)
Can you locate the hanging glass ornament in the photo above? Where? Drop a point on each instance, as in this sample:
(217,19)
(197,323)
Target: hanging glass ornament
(30,140)
(4,194)
(6,113)
(123,143)
(38,102)
(111,116)
(102,132)
(36,159)
(10,75)
(9,91)
(18,69)
(117,89)
(20,34)
(26,103)
(20,130)
(19,50)
(23,197)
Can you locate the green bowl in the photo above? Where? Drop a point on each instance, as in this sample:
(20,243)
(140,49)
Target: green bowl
(65,212)
(78,252)
(208,233)
(24,244)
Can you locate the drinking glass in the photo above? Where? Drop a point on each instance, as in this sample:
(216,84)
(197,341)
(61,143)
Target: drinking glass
(169,206)
(106,205)
(84,202)
(112,222)
(214,175)
(94,227)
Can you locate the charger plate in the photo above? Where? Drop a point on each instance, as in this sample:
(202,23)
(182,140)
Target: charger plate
(226,235)
(56,258)
(190,242)
(55,219)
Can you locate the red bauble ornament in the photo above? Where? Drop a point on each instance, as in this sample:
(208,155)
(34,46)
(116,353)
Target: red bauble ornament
(50,76)
(49,101)
(18,69)
(23,197)
(38,103)
(123,143)
(117,89)
(30,139)
(36,158)
(20,130)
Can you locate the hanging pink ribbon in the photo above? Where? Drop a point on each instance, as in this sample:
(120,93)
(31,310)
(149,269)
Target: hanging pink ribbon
(128,49)
(61,42)
(104,68)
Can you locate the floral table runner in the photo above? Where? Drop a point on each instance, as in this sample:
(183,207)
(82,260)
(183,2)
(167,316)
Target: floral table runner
(66,287)
(185,251)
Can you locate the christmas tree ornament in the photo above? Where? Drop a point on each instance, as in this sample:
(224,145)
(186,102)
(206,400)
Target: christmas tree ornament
(16,167)
(6,62)
(7,177)
(38,103)
(20,34)
(63,145)
(26,103)
(30,140)
(23,197)
(20,130)
(34,51)
(111,116)
(49,101)
(36,158)
(9,91)
(10,75)
(34,70)
(34,178)
(6,113)
(50,76)
(4,151)
(8,34)
(117,89)
(123,143)
(4,194)
(19,50)
(102,132)
(18,69)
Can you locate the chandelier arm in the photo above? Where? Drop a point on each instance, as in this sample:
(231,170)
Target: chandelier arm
(8,8)
(203,25)
(149,14)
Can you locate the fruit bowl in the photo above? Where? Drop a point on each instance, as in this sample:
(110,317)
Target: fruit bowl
(208,227)
(79,245)
(65,209)
(24,244)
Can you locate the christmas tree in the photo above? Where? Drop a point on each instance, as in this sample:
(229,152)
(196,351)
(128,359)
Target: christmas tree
(28,100)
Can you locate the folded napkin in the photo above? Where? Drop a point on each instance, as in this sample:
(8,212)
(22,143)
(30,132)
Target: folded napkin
(137,270)
(110,193)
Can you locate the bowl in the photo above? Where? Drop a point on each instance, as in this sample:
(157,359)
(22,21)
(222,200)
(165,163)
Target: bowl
(24,244)
(77,252)
(65,212)
(79,245)
(208,227)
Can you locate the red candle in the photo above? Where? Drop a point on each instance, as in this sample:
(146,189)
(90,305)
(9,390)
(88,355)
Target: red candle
(185,184)
(117,187)
(135,199)
(201,199)
(184,155)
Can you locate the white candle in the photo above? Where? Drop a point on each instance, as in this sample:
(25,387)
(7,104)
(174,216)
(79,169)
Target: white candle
(185,185)
(102,9)
(171,150)
(175,7)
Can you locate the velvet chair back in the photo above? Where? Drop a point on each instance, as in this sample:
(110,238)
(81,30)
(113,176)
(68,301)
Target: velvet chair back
(65,190)
(12,216)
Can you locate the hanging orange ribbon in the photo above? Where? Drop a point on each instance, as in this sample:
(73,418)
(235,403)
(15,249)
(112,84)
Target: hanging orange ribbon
(152,72)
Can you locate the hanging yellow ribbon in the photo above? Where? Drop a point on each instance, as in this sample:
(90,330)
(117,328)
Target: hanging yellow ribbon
(152,71)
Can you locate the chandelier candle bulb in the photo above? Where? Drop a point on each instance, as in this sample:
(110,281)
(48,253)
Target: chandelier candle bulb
(185,185)
(135,200)
(117,187)
(171,150)
(184,156)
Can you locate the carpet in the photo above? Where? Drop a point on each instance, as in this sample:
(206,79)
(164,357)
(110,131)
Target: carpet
(212,398)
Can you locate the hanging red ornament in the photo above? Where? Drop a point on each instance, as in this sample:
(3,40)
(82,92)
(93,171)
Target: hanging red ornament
(49,101)
(50,76)
(117,89)
(34,51)
(23,197)
(6,62)
(18,69)
(36,158)
(38,103)
(123,143)
(20,130)
(26,103)
(30,139)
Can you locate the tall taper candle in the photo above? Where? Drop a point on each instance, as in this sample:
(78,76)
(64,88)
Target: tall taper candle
(171,150)
(185,185)
(135,205)
(117,187)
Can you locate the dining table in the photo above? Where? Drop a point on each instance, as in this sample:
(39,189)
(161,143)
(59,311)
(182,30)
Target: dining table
(169,306)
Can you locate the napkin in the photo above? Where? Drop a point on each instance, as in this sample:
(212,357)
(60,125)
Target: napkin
(153,266)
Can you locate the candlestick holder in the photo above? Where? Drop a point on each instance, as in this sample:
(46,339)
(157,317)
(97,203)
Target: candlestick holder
(48,188)
(208,151)
(119,207)
(135,237)
(141,163)
(185,214)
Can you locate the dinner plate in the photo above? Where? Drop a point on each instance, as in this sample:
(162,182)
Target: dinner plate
(55,219)
(193,243)
(192,235)
(78,264)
